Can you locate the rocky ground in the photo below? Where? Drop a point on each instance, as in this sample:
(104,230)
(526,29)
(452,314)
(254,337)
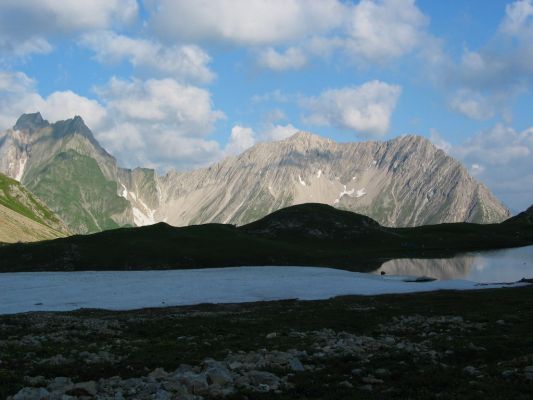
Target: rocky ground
(438,345)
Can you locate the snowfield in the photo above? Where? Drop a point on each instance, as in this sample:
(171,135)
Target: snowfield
(124,290)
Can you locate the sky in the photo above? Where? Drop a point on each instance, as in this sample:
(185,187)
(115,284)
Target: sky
(181,84)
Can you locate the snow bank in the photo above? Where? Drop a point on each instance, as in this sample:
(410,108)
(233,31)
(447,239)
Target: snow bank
(124,290)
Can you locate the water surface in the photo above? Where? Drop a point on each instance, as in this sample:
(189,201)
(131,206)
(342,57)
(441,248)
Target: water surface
(123,290)
(508,265)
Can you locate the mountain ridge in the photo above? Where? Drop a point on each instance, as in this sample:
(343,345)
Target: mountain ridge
(23,217)
(383,180)
(305,235)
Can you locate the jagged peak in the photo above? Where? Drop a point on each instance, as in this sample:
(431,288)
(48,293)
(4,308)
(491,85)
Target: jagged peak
(30,122)
(71,126)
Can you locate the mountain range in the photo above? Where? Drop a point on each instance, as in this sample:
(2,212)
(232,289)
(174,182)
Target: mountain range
(406,181)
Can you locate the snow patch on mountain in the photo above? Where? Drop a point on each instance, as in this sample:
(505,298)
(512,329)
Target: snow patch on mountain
(22,166)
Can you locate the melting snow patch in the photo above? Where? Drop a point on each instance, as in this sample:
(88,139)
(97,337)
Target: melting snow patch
(360,193)
(124,192)
(140,218)
(126,290)
(350,193)
(143,218)
(301,181)
(22,166)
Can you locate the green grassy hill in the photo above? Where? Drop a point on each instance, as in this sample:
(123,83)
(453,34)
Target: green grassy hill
(23,217)
(308,234)
(77,189)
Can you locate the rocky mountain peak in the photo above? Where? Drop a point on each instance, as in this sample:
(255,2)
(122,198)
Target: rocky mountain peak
(71,126)
(306,138)
(30,122)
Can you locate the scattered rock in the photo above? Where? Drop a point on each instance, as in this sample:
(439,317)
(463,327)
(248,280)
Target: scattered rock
(345,384)
(28,393)
(471,371)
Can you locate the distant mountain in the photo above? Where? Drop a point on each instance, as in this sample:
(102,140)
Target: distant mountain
(23,217)
(406,181)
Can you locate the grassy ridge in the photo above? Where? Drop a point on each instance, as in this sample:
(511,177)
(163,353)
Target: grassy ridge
(76,188)
(308,234)
(15,197)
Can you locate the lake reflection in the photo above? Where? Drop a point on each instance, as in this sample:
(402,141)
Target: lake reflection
(507,265)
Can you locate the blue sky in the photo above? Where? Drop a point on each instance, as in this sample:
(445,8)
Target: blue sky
(180,84)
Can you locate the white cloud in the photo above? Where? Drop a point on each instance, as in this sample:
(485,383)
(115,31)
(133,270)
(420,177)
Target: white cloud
(472,104)
(27,25)
(500,70)
(187,62)
(170,123)
(370,30)
(157,123)
(383,30)
(51,16)
(241,139)
(18,95)
(502,158)
(186,108)
(292,58)
(246,22)
(23,48)
(278,132)
(365,109)
(518,17)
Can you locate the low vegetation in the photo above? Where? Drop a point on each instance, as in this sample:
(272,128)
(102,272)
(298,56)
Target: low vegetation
(446,345)
(308,234)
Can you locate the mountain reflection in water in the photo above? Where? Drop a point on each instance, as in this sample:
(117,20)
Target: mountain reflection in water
(507,265)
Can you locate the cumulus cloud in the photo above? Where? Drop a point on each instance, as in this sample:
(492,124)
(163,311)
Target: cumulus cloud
(26,25)
(241,138)
(371,30)
(518,17)
(187,108)
(18,95)
(292,58)
(383,30)
(170,121)
(185,62)
(366,109)
(246,22)
(277,132)
(158,123)
(502,158)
